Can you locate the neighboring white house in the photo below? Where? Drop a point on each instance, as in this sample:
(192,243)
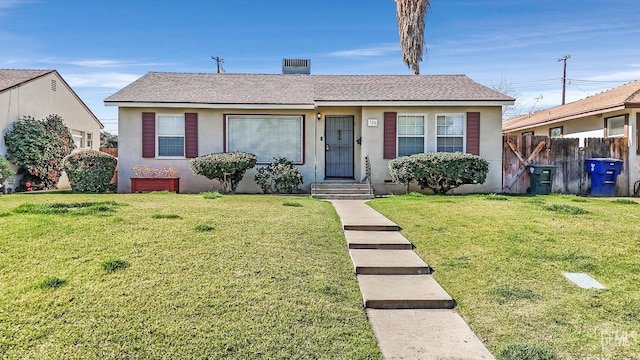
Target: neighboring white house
(40,93)
(324,123)
(612,113)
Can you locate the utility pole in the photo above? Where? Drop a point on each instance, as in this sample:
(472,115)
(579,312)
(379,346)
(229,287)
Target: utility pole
(219,62)
(564,76)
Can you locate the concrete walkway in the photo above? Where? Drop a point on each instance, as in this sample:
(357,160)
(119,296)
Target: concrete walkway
(411,315)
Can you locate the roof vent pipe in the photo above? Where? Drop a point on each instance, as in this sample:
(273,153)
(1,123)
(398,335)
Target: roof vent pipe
(296,66)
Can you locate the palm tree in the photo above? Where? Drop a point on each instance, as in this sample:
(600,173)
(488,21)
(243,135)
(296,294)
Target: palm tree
(410,15)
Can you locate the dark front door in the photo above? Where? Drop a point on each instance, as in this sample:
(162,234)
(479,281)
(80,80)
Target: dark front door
(339,147)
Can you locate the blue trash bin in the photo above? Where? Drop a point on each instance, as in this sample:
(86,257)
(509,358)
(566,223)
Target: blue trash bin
(604,173)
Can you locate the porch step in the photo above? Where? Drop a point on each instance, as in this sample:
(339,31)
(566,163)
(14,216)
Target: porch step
(341,191)
(383,240)
(388,262)
(403,292)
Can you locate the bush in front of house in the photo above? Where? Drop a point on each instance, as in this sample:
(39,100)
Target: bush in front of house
(38,147)
(228,168)
(5,169)
(440,171)
(90,170)
(281,176)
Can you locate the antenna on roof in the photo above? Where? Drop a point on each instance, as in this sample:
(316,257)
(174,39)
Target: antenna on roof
(219,62)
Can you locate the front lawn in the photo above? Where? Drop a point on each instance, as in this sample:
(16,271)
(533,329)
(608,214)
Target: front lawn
(502,258)
(177,276)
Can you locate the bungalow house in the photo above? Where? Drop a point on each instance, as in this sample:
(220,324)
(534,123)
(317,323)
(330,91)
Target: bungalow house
(40,93)
(326,124)
(609,114)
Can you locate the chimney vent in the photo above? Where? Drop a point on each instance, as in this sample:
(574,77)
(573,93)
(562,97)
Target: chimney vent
(296,66)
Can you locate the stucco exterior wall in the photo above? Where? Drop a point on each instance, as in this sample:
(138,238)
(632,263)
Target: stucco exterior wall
(211,139)
(37,99)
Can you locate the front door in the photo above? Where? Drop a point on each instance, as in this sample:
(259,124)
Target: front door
(338,133)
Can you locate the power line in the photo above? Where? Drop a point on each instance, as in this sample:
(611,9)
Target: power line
(219,62)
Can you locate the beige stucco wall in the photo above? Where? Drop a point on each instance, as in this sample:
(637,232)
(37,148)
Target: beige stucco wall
(490,144)
(211,139)
(36,98)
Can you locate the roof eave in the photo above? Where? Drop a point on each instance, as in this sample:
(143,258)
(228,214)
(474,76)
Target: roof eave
(134,104)
(570,117)
(412,103)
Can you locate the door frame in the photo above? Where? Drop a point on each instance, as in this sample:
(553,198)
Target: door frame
(352,143)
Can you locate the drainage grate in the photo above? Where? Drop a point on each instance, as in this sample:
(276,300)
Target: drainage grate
(583,280)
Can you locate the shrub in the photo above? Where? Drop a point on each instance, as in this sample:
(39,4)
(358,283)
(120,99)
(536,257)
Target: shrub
(38,147)
(228,168)
(5,169)
(281,176)
(439,172)
(524,351)
(90,170)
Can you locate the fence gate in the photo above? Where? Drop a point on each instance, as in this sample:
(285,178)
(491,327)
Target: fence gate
(567,155)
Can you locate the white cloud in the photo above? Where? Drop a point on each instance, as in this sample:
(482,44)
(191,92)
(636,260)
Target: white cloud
(379,50)
(100,79)
(99,63)
(11,3)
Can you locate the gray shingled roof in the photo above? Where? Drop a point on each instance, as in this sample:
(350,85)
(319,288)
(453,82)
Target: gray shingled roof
(10,77)
(207,88)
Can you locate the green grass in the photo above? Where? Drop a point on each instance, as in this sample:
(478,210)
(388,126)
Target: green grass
(113,265)
(502,261)
(270,282)
(51,282)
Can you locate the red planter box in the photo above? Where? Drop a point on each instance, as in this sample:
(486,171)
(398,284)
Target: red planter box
(155,184)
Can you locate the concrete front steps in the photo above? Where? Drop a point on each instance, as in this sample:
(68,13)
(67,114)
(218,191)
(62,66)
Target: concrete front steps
(411,315)
(341,191)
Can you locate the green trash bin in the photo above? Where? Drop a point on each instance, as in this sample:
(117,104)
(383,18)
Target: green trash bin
(541,178)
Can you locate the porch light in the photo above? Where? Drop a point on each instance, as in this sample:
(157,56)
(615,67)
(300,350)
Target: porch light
(319,115)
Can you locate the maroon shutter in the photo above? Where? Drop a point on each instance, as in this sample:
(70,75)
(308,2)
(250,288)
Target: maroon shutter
(191,135)
(148,134)
(637,134)
(390,128)
(473,133)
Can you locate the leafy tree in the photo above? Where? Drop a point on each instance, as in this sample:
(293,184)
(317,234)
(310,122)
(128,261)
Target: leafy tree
(410,15)
(38,147)
(108,140)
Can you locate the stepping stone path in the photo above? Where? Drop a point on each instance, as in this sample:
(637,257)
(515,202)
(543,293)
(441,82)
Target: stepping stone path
(411,315)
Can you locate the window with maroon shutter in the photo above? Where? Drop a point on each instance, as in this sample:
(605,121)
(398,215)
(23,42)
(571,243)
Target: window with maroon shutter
(390,130)
(191,135)
(473,133)
(638,133)
(148,134)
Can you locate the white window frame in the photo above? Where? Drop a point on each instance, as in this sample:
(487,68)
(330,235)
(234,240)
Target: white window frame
(464,130)
(423,136)
(158,136)
(89,140)
(247,117)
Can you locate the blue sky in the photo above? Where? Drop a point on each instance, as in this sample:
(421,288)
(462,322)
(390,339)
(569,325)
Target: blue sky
(101,46)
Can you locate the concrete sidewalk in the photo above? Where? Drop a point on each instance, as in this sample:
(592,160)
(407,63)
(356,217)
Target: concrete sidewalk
(411,315)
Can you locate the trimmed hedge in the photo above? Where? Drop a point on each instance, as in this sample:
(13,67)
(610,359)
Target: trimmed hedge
(90,170)
(228,168)
(281,176)
(440,171)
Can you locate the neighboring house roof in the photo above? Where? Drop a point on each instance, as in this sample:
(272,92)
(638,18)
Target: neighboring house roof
(11,78)
(625,96)
(309,90)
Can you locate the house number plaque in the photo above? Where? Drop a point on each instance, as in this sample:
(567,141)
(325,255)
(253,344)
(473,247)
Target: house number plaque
(372,122)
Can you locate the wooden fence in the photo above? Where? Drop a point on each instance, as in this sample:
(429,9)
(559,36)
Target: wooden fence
(567,155)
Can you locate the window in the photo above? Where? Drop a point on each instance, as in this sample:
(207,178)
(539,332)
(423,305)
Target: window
(266,136)
(616,126)
(410,134)
(78,138)
(171,135)
(556,132)
(89,140)
(450,133)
